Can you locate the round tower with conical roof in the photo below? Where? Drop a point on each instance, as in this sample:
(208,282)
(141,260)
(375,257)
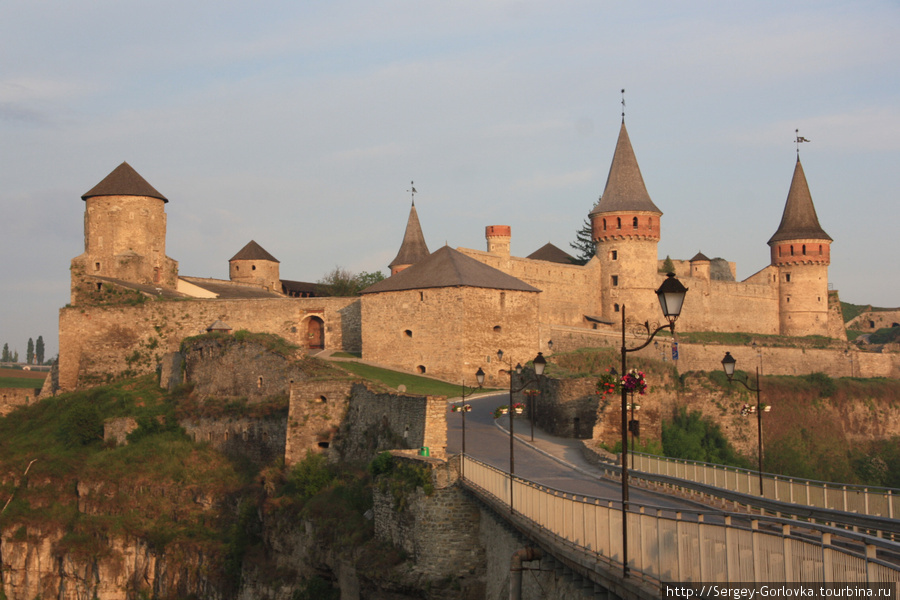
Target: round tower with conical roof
(124,233)
(625,225)
(801,252)
(413,248)
(254,265)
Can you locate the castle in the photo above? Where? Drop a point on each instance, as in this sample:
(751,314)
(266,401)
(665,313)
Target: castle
(444,313)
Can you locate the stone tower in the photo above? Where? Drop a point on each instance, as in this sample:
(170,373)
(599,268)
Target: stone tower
(413,249)
(498,239)
(124,233)
(625,225)
(801,251)
(255,266)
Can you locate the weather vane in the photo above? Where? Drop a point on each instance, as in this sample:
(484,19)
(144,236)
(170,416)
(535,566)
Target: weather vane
(412,191)
(623,105)
(799,140)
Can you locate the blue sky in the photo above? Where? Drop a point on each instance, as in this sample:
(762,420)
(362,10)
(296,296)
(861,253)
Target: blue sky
(301,125)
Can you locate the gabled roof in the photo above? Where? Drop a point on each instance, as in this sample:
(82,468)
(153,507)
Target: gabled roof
(625,189)
(551,253)
(413,249)
(799,220)
(219,325)
(124,181)
(700,256)
(253,251)
(449,268)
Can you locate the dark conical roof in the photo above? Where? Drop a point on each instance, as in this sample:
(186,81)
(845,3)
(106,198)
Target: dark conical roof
(700,257)
(413,249)
(449,268)
(799,220)
(625,189)
(253,251)
(551,253)
(124,181)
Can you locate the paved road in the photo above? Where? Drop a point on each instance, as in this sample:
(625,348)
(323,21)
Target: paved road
(489,443)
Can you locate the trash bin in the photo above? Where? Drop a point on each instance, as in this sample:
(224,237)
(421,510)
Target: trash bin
(423,451)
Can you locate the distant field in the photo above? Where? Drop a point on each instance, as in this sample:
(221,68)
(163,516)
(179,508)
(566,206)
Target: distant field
(17,378)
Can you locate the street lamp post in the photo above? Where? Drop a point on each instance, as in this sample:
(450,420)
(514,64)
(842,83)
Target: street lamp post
(671,298)
(539,363)
(464,408)
(728,364)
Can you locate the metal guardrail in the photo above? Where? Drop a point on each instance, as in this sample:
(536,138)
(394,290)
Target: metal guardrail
(671,546)
(863,500)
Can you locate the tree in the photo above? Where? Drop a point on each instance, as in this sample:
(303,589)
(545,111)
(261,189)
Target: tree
(668,266)
(6,357)
(39,350)
(29,352)
(341,282)
(15,356)
(584,243)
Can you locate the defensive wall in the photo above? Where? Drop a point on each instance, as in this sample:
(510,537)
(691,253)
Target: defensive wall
(317,411)
(873,320)
(568,292)
(10,398)
(261,440)
(99,343)
(708,357)
(450,332)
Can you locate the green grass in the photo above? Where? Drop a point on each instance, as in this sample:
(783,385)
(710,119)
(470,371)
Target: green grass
(394,379)
(21,382)
(745,339)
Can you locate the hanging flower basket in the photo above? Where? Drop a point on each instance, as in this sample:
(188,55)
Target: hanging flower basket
(501,410)
(607,384)
(519,408)
(634,381)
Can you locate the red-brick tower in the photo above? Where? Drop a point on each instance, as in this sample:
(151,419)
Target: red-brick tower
(625,226)
(801,250)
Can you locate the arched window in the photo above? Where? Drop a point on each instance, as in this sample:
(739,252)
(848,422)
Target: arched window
(618,222)
(616,307)
(650,223)
(604,224)
(792,249)
(804,249)
(634,223)
(408,333)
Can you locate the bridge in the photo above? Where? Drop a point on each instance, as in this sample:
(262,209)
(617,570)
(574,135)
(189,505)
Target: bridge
(796,532)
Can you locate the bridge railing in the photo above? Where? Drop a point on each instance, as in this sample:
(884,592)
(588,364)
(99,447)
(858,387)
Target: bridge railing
(670,546)
(864,500)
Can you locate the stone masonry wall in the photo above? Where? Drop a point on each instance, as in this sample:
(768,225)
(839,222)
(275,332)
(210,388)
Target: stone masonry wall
(317,410)
(379,421)
(260,440)
(101,343)
(10,398)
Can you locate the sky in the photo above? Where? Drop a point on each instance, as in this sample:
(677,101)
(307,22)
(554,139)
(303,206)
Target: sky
(301,125)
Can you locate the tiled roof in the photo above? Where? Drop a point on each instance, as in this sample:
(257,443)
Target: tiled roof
(625,189)
(413,249)
(700,256)
(124,181)
(253,251)
(550,253)
(449,268)
(799,220)
(301,287)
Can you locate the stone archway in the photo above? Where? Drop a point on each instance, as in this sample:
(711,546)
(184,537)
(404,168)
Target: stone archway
(315,333)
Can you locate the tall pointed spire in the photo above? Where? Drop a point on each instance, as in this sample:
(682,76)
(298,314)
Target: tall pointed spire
(625,189)
(413,249)
(799,220)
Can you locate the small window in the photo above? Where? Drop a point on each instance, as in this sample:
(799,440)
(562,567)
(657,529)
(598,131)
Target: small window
(604,224)
(804,249)
(259,381)
(788,299)
(99,287)
(634,223)
(792,249)
(787,277)
(614,255)
(96,266)
(420,369)
(618,222)
(779,251)
(820,248)
(615,280)
(498,329)
(408,333)
(871,324)
(616,307)
(252,267)
(321,399)
(237,267)
(421,296)
(650,223)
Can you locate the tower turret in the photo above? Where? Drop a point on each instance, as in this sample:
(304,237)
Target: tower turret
(625,225)
(498,239)
(413,249)
(124,233)
(256,266)
(801,250)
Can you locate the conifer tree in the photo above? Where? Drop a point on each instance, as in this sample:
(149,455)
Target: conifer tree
(29,351)
(668,266)
(584,243)
(39,350)
(5,357)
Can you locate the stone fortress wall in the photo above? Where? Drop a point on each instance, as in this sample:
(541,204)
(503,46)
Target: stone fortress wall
(10,398)
(99,343)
